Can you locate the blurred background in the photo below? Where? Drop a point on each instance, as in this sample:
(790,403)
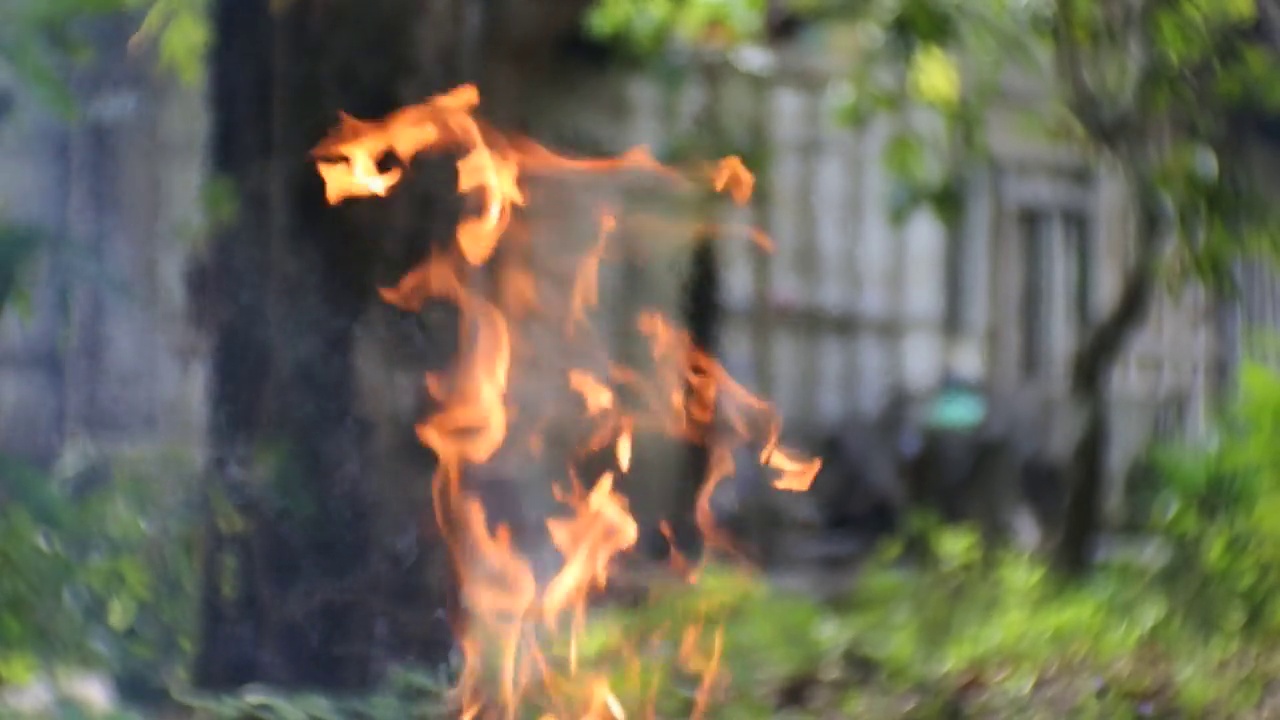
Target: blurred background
(1019,303)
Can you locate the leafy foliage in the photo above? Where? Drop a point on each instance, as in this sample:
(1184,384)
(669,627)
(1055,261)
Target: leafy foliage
(651,26)
(964,637)
(39,38)
(967,636)
(1219,507)
(971,634)
(97,568)
(181,33)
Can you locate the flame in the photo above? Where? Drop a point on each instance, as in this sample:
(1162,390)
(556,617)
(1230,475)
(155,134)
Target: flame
(733,177)
(508,611)
(586,282)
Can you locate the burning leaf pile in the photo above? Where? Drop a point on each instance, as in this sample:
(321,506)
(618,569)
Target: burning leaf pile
(520,635)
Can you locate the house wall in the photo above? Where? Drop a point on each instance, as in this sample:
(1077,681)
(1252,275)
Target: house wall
(851,305)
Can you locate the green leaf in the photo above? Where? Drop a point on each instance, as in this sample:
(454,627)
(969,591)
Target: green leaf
(1238,11)
(904,156)
(17,667)
(934,77)
(122,610)
(180,30)
(183,46)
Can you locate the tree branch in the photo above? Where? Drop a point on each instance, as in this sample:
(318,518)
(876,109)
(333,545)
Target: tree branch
(1107,339)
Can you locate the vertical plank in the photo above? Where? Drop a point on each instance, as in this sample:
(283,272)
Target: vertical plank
(1009,267)
(833,200)
(762,325)
(922,299)
(876,366)
(810,270)
(854,157)
(832,396)
(86,227)
(877,362)
(1057,310)
(789,384)
(976,272)
(899,301)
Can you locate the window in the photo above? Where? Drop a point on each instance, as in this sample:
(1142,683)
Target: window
(1057,286)
(1051,261)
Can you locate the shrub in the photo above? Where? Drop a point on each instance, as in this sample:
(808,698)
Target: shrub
(97,568)
(1220,507)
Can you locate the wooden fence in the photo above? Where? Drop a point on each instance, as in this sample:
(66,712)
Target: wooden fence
(851,305)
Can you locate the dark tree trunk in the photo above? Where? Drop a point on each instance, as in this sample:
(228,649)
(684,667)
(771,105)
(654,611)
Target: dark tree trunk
(1091,371)
(241,94)
(290,586)
(701,313)
(300,577)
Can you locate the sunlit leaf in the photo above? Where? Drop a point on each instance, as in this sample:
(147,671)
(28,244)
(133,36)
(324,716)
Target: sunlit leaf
(1238,10)
(180,30)
(934,77)
(17,667)
(121,612)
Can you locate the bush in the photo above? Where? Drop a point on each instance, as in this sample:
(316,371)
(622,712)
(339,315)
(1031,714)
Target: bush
(966,636)
(973,634)
(1220,507)
(96,568)
(107,576)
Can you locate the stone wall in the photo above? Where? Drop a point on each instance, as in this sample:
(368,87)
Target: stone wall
(106,353)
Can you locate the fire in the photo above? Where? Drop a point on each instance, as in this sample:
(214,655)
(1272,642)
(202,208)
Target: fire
(509,613)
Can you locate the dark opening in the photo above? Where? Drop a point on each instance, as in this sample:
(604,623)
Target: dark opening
(1077,234)
(1034,226)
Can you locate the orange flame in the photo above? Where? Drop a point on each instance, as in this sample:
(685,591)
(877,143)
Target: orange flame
(733,177)
(691,397)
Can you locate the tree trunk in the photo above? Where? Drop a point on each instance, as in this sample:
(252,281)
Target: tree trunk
(305,580)
(701,313)
(1090,375)
(291,564)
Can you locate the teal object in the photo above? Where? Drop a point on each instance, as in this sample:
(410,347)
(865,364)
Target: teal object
(957,410)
